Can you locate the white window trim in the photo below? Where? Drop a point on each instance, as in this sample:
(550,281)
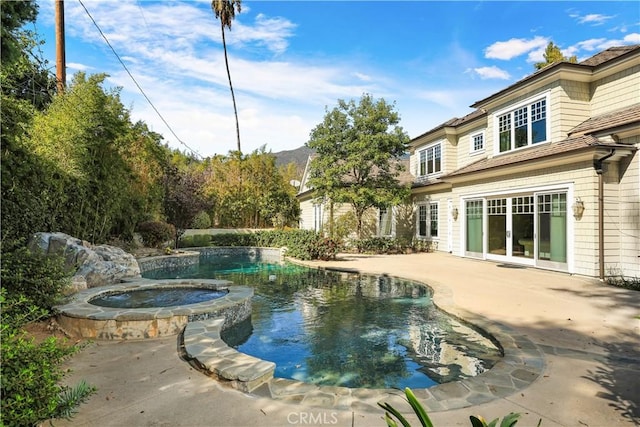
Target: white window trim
(437,204)
(472,150)
(391,210)
(427,204)
(496,131)
(424,148)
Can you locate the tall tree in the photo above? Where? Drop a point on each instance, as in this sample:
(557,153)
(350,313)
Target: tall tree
(553,54)
(183,197)
(358,147)
(225,11)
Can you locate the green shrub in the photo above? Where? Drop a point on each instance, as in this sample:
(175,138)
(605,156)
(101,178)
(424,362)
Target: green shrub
(37,277)
(344,227)
(234,239)
(301,244)
(389,245)
(201,220)
(30,374)
(377,245)
(195,241)
(155,233)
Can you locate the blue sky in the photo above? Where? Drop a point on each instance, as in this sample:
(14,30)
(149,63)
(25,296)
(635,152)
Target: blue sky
(290,60)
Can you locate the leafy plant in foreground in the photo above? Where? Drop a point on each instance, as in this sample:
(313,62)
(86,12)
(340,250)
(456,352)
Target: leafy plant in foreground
(476,421)
(71,397)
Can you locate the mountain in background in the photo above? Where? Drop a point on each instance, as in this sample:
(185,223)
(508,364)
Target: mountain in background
(298,156)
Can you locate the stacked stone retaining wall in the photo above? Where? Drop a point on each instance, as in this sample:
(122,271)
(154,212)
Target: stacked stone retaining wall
(194,255)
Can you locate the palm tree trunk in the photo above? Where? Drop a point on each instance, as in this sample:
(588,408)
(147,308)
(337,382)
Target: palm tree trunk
(233,97)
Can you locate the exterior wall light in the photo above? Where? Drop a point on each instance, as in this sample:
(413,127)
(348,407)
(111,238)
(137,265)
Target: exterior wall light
(454,213)
(578,208)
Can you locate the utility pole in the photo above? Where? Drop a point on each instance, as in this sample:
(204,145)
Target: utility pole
(61,63)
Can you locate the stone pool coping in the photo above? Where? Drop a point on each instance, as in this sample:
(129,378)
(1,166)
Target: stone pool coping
(81,318)
(521,365)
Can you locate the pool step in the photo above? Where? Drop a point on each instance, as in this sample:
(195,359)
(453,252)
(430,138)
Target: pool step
(202,343)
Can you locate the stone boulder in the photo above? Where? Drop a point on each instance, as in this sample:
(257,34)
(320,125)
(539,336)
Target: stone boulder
(93,265)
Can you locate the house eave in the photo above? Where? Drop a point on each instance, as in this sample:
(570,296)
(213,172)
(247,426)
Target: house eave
(586,154)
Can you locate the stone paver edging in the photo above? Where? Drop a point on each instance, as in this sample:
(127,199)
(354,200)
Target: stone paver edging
(521,365)
(81,318)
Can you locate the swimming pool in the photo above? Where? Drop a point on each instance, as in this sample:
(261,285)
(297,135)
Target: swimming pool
(346,329)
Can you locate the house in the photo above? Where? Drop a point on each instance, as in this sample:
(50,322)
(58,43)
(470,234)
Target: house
(319,215)
(544,173)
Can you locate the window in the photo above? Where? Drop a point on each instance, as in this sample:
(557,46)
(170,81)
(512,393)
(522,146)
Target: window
(422,221)
(523,126)
(477,142)
(385,221)
(317,217)
(428,220)
(433,219)
(430,160)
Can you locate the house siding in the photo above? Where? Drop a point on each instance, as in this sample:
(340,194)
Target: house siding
(573,105)
(306,214)
(616,91)
(577,179)
(464,154)
(629,215)
(574,98)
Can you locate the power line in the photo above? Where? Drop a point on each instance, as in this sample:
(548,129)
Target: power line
(136,83)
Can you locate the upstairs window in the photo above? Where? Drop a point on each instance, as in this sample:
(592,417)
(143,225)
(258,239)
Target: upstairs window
(430,160)
(523,126)
(477,142)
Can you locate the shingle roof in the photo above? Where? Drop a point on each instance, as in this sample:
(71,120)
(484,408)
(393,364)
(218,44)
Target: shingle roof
(589,64)
(608,55)
(620,117)
(528,154)
(455,122)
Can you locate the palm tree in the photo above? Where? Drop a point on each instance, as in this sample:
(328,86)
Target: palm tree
(225,10)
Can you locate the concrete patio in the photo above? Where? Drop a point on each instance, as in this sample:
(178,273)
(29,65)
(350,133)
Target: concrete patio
(587,333)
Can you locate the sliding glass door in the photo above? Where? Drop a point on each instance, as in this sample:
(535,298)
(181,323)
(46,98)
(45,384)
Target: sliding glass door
(474,217)
(522,224)
(552,229)
(524,228)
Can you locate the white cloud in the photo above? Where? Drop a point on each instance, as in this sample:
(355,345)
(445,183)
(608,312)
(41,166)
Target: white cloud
(633,38)
(273,33)
(77,66)
(595,45)
(591,18)
(492,73)
(591,44)
(514,47)
(362,76)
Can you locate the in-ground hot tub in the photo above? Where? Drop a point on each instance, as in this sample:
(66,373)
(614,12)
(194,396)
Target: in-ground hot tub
(80,316)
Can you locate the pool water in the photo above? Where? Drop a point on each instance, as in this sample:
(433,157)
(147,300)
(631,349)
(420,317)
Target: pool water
(159,297)
(346,329)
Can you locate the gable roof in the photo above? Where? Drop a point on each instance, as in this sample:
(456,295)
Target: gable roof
(455,122)
(589,65)
(611,120)
(528,154)
(404,177)
(608,54)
